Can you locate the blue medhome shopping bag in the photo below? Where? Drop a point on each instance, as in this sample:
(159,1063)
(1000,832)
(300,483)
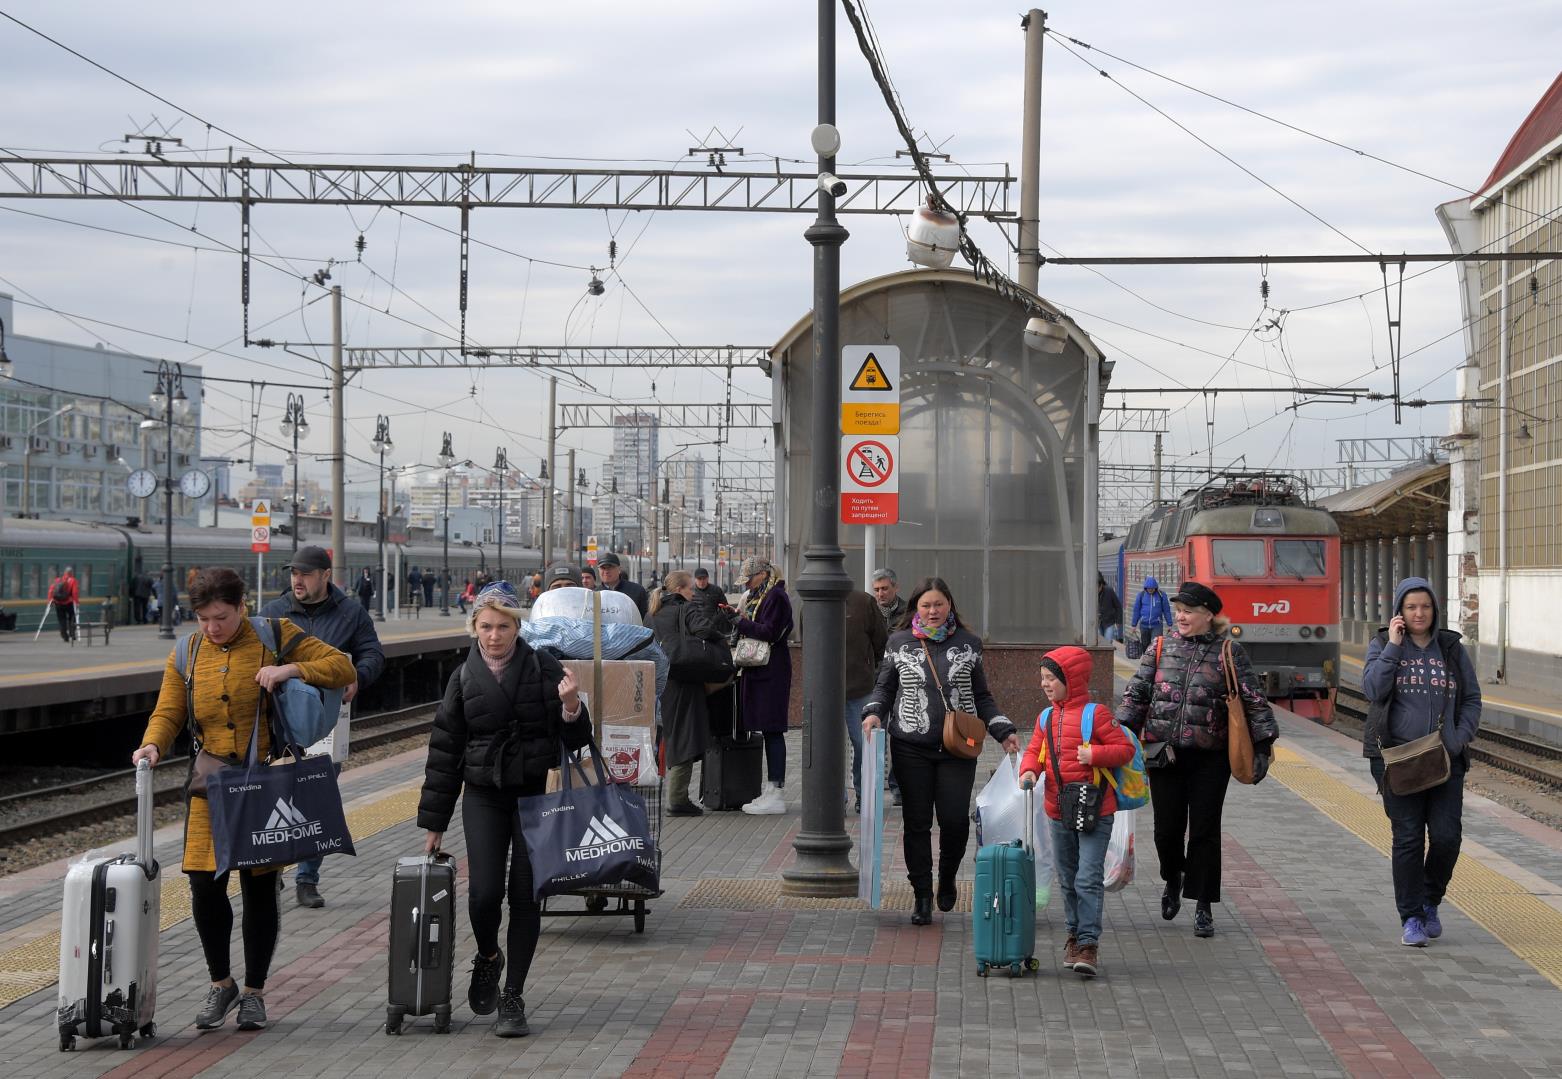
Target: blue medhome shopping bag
(584,836)
(277,814)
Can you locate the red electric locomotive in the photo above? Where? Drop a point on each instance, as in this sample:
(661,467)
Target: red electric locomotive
(1255,538)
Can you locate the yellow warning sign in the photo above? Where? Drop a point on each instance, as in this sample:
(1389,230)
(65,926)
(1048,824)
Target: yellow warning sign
(870,376)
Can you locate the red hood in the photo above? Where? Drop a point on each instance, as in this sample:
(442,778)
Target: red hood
(1077,669)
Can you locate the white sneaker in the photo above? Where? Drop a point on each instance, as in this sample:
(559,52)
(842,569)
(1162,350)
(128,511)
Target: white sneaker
(768,803)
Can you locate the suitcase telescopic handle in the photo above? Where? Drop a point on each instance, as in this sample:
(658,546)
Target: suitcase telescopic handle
(144,813)
(1030,819)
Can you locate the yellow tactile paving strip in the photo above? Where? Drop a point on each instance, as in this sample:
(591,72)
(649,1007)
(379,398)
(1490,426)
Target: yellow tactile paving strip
(35,965)
(1529,928)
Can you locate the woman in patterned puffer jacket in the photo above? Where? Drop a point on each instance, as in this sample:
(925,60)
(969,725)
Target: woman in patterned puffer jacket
(928,669)
(1176,703)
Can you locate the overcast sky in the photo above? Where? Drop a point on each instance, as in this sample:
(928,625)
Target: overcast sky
(1435,87)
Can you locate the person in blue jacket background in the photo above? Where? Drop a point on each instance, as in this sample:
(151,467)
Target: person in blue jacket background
(1418,678)
(1152,611)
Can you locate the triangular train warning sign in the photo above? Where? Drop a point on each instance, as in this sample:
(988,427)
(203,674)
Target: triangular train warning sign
(871,376)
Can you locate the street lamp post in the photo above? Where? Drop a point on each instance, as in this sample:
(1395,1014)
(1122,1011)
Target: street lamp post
(580,520)
(501,470)
(823,866)
(382,445)
(447,459)
(169,397)
(294,425)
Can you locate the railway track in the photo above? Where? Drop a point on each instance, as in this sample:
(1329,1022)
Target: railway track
(1540,762)
(168,779)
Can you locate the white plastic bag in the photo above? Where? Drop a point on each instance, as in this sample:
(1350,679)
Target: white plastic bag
(1043,849)
(1119,869)
(1000,807)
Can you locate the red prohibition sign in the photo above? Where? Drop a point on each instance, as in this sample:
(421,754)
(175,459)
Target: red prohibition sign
(870,469)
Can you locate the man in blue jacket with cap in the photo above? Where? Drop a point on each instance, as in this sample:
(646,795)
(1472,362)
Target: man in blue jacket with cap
(318,607)
(1152,611)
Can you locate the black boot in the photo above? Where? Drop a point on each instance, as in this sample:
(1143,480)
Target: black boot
(946,893)
(1171,899)
(922,912)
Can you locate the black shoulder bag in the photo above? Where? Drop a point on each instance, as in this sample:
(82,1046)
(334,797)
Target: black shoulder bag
(1080,803)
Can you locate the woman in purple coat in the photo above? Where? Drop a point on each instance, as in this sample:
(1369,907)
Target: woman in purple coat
(764,693)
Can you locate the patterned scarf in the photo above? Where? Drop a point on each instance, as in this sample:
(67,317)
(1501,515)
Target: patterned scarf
(752,600)
(937,633)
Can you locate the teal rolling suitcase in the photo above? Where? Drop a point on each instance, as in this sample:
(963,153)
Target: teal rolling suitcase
(1003,907)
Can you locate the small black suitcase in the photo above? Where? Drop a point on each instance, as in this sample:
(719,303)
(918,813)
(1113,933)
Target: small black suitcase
(733,772)
(422,940)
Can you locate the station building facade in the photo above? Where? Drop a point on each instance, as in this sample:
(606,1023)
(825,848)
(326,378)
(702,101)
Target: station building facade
(1505,513)
(76,459)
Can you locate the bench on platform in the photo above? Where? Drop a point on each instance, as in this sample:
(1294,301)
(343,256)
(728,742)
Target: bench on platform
(104,624)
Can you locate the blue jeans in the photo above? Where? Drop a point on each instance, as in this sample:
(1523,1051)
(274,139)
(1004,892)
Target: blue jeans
(853,717)
(1427,829)
(1080,858)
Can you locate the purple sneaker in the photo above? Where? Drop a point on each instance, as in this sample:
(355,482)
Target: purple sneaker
(1434,924)
(1415,933)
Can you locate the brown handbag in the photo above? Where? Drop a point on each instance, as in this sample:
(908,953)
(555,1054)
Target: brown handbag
(963,732)
(1417,765)
(1239,740)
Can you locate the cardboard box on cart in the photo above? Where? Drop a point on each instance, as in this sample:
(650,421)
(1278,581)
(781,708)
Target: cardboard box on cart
(624,719)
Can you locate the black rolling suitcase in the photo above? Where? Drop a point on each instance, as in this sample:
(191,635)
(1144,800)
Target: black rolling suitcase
(733,771)
(422,940)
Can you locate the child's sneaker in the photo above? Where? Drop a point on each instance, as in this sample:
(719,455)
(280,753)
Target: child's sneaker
(1433,924)
(1415,933)
(1070,952)
(1085,960)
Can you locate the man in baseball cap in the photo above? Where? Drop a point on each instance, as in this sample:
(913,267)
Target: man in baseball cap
(318,607)
(707,596)
(613,580)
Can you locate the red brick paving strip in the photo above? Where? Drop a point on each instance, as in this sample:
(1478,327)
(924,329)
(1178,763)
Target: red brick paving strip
(892,1036)
(694,1037)
(1339,1007)
(292,987)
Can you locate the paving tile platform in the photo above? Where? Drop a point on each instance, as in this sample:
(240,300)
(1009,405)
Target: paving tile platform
(1305,976)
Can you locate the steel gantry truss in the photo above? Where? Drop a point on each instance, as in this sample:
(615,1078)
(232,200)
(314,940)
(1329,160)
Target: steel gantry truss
(466,186)
(556,356)
(693,417)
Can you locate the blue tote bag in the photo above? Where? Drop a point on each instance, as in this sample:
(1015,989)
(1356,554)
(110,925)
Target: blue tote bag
(277,814)
(584,836)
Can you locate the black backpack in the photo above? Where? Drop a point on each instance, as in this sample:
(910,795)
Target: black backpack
(61,593)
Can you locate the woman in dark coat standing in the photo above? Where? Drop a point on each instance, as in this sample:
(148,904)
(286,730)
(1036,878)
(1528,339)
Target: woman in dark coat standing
(498,731)
(685,708)
(932,666)
(765,693)
(1177,697)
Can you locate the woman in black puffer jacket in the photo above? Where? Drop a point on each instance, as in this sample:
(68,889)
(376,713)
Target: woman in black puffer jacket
(506,710)
(1178,697)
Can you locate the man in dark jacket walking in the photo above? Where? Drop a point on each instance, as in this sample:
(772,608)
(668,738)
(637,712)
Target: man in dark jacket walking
(613,580)
(707,597)
(366,590)
(322,610)
(1419,680)
(414,586)
(1109,610)
(140,593)
(864,650)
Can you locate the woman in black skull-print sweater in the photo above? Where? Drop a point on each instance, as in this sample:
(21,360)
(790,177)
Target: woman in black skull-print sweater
(928,669)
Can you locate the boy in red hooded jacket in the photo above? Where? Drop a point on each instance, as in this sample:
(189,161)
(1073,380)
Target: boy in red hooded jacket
(1080,856)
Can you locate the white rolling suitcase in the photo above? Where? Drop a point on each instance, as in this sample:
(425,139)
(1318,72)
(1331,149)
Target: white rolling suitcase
(108,938)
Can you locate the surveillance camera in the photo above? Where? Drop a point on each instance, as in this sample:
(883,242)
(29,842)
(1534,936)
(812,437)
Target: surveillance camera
(832,184)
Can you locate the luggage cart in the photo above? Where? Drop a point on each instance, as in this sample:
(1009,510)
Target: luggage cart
(619,900)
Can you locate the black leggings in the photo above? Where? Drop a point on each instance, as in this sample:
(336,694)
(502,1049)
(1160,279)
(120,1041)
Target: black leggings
(214,922)
(1188,797)
(493,834)
(932,781)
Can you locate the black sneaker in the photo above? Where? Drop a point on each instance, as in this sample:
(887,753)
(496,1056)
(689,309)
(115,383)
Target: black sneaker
(483,996)
(220,1000)
(687,809)
(1203,921)
(309,896)
(252,1012)
(512,1015)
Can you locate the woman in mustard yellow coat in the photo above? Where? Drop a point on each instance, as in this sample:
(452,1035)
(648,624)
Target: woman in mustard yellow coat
(231,671)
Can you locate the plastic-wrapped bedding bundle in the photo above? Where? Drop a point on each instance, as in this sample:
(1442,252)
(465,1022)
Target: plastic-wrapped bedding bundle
(570,638)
